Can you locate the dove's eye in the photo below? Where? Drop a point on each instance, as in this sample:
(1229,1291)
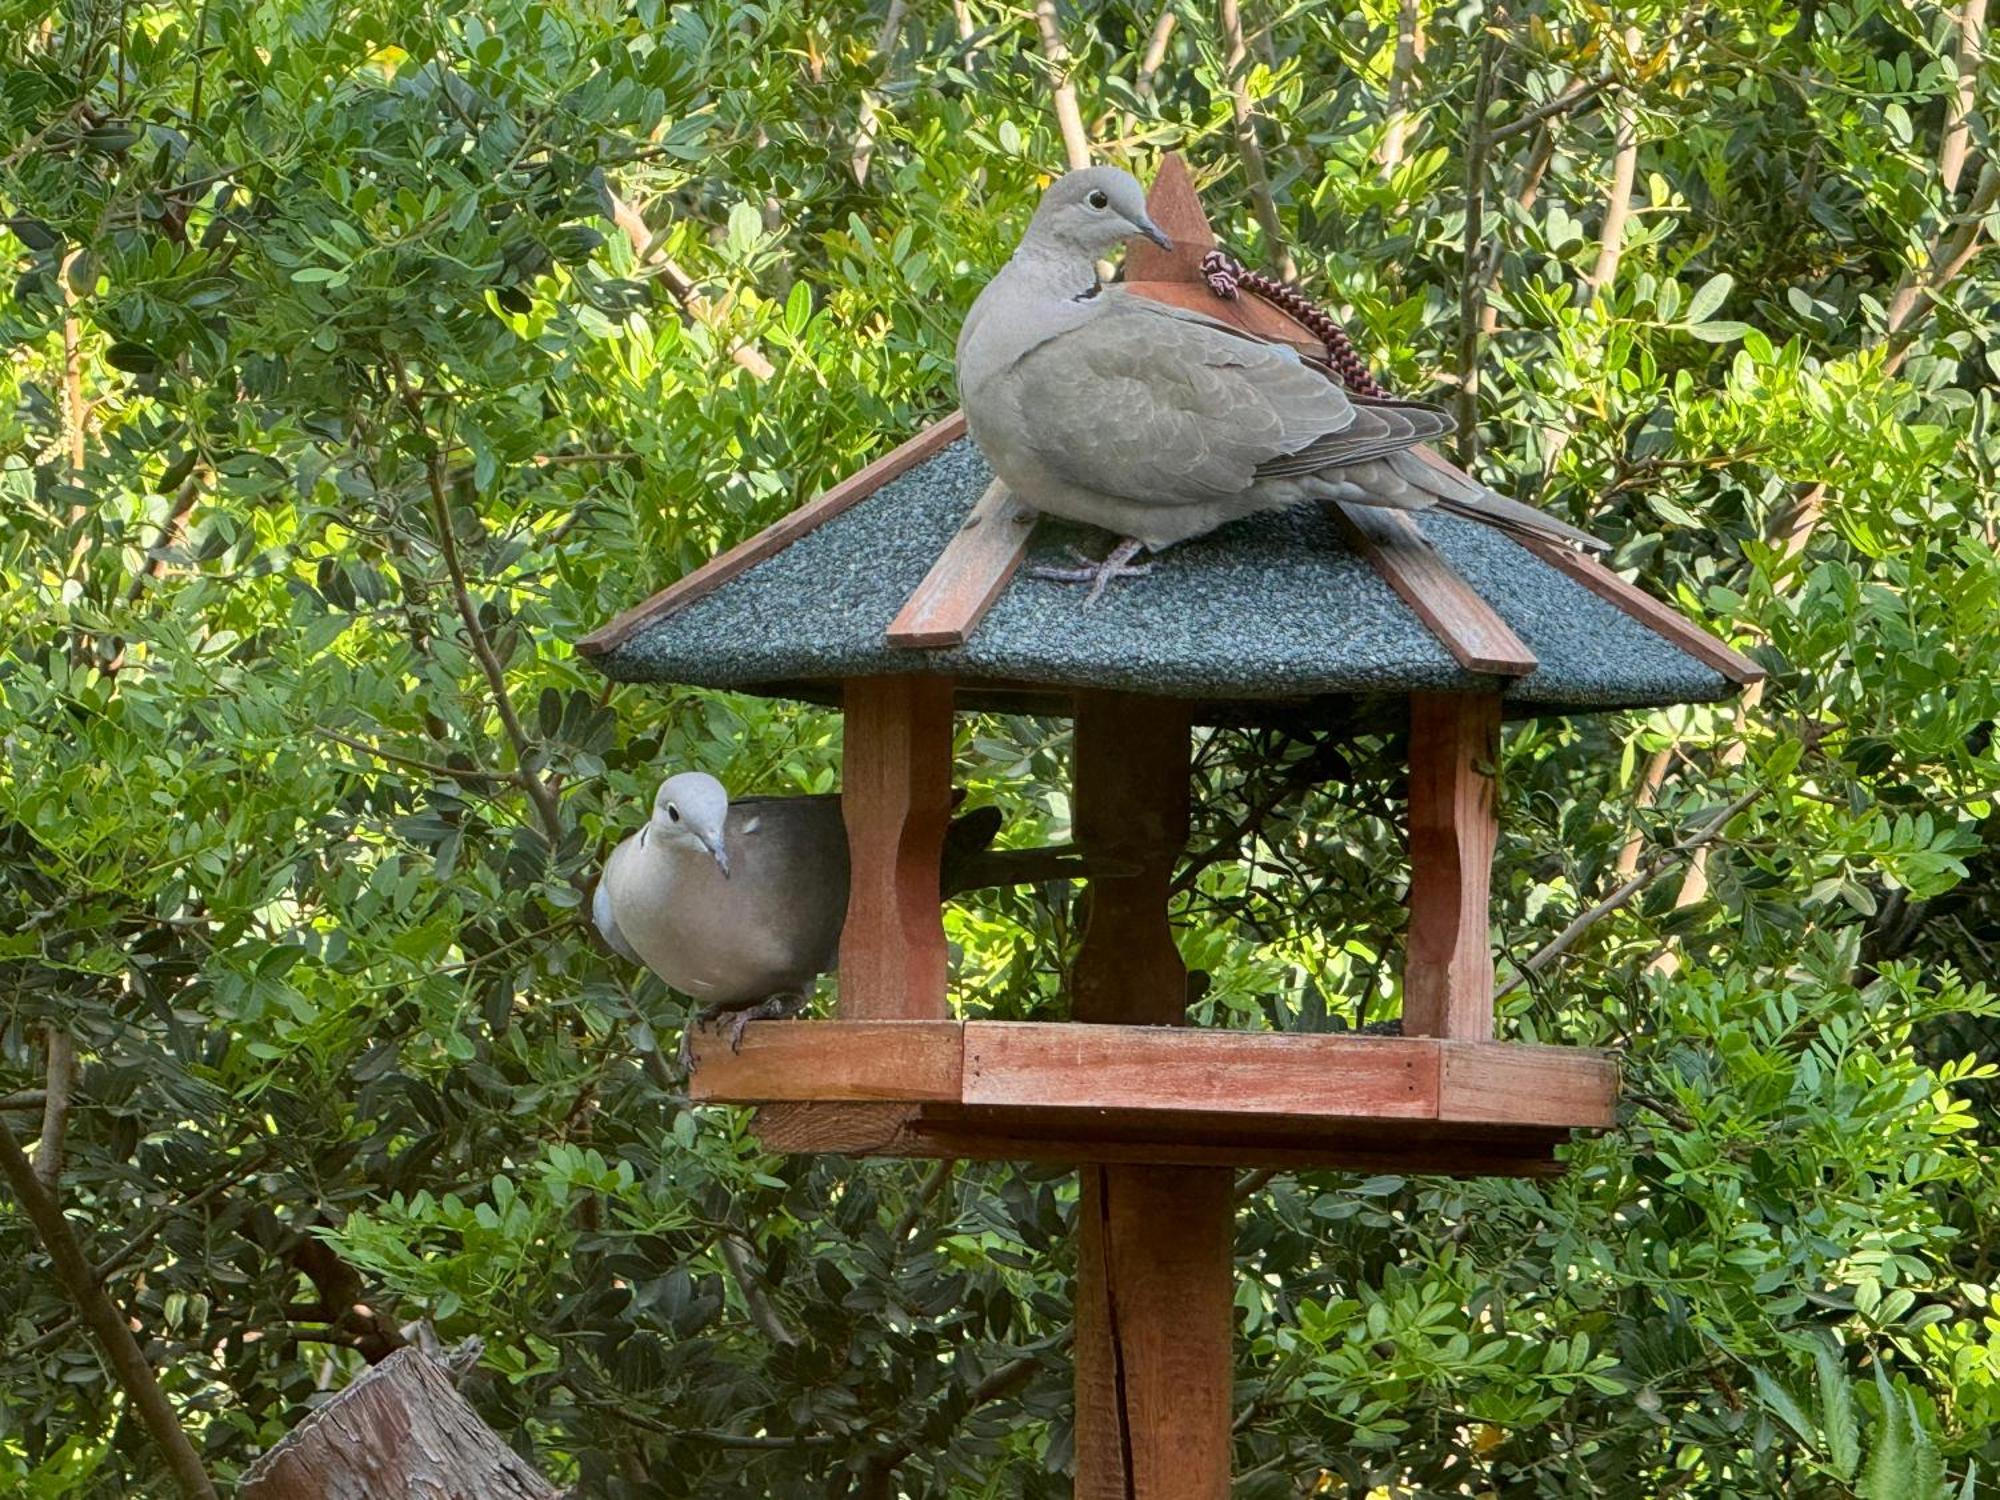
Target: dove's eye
(1099,199)
(673,813)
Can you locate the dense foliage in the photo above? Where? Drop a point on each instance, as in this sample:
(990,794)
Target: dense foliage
(337,402)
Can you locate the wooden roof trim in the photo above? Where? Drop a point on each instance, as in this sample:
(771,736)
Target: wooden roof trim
(774,538)
(1663,620)
(1464,623)
(972,571)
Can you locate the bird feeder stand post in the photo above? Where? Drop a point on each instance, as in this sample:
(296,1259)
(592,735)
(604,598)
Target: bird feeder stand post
(896,796)
(1155,1259)
(1454,826)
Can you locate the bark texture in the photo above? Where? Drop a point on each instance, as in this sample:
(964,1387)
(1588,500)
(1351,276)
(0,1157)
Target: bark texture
(400,1429)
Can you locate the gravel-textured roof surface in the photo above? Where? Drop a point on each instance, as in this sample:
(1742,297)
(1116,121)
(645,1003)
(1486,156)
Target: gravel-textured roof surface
(1271,607)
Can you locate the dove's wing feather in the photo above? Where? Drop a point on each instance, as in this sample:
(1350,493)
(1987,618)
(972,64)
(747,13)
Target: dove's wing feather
(604,917)
(788,877)
(1182,411)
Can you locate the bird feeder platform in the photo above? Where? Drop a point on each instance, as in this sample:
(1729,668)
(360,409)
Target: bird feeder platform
(1036,1091)
(900,595)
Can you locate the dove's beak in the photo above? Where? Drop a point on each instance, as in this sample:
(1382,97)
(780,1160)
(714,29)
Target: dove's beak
(720,854)
(1154,233)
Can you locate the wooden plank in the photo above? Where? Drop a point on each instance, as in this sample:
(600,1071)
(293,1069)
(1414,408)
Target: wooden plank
(774,538)
(1178,1069)
(1513,1084)
(972,571)
(1464,623)
(842,1060)
(896,797)
(841,1128)
(1154,1320)
(1247,311)
(1667,623)
(1454,826)
(1176,208)
(1065,1137)
(1155,1275)
(1131,811)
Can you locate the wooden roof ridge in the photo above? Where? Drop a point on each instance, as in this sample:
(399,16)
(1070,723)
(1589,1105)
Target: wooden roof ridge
(774,538)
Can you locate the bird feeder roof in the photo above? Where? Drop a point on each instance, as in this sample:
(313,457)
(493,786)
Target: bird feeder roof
(1280,618)
(920,563)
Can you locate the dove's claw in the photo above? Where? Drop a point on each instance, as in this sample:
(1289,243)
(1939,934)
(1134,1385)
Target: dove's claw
(1098,574)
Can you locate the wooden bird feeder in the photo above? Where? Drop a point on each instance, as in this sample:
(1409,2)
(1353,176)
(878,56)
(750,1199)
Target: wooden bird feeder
(899,595)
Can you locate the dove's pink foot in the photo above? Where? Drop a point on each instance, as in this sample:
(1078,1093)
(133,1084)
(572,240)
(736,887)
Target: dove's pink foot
(779,1007)
(1099,574)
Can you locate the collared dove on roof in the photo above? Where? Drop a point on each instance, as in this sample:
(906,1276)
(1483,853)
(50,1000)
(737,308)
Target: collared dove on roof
(1101,405)
(739,905)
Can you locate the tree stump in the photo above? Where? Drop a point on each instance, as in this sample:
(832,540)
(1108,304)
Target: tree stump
(401,1429)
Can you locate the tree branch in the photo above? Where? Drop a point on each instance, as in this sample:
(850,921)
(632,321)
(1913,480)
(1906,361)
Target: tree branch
(694,307)
(482,646)
(764,1316)
(1472,281)
(1156,49)
(55,1105)
(121,1350)
(1579,92)
(1563,941)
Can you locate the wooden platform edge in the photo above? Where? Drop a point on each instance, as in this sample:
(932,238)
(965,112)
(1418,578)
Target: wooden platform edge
(1662,619)
(1516,1083)
(973,570)
(833,1061)
(1015,1072)
(774,538)
(1451,609)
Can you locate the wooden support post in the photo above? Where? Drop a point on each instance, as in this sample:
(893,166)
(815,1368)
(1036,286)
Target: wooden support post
(896,796)
(1154,1265)
(1454,826)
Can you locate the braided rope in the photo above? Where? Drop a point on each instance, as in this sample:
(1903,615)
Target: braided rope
(1226,276)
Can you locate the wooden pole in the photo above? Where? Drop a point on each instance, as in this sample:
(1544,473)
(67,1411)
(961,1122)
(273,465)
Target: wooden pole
(1454,827)
(1155,1270)
(896,796)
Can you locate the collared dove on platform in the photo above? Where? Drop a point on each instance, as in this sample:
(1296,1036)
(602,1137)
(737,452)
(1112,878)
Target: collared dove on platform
(739,905)
(1100,405)
(736,905)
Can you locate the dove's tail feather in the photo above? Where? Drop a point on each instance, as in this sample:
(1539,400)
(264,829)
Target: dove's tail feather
(1462,496)
(1503,514)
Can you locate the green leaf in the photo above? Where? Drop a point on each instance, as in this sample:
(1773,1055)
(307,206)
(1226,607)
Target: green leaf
(1719,332)
(1837,1423)
(1784,1404)
(1709,297)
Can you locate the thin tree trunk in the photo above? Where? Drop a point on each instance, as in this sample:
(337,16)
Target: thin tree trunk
(55,1106)
(1402,80)
(1618,203)
(105,1320)
(1156,49)
(1472,273)
(1530,191)
(1957,143)
(1069,117)
(1248,150)
(871,107)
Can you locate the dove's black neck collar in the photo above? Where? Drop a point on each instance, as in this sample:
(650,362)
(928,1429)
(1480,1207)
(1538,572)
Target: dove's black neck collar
(1058,271)
(1096,286)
